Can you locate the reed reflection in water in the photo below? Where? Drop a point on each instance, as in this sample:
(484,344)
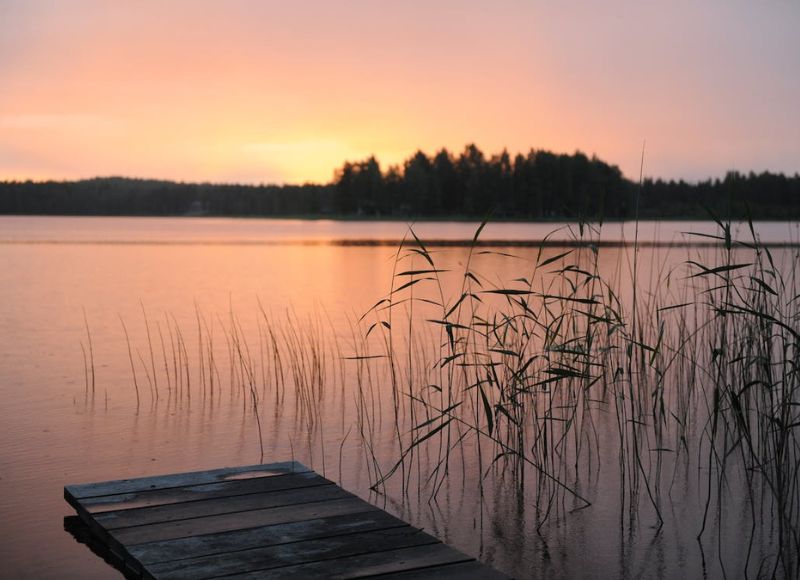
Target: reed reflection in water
(244,350)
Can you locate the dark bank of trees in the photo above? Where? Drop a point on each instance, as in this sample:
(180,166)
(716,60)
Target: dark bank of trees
(538,185)
(123,196)
(760,196)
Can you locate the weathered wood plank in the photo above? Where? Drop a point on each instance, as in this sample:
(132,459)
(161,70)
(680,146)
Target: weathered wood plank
(228,522)
(148,498)
(261,559)
(212,544)
(278,520)
(461,571)
(182,479)
(365,565)
(224,505)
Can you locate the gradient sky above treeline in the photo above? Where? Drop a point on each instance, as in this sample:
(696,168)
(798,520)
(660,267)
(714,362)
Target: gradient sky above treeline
(278,91)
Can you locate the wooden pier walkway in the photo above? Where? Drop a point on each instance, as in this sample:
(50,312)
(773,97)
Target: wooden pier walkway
(279,520)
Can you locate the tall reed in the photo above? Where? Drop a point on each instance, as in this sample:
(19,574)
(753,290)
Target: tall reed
(702,363)
(687,371)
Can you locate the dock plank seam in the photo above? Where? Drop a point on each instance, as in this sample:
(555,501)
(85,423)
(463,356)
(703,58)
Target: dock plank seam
(278,520)
(395,527)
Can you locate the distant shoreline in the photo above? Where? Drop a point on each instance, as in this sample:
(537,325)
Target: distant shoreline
(404,220)
(540,187)
(389,242)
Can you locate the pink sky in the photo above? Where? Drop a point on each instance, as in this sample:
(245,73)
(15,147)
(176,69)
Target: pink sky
(262,91)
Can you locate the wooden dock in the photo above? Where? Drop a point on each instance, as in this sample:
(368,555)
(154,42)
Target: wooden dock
(279,520)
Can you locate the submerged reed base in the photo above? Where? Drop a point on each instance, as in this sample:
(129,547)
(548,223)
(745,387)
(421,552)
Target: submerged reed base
(694,371)
(665,391)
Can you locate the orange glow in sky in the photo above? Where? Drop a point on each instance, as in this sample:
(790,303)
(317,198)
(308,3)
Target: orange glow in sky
(265,91)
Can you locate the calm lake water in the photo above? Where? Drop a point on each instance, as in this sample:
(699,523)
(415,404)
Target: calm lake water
(208,290)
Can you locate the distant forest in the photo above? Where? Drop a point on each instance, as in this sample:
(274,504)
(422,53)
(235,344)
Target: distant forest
(538,186)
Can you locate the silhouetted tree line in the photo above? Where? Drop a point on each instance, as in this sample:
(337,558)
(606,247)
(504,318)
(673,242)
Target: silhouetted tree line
(760,196)
(533,186)
(539,185)
(123,196)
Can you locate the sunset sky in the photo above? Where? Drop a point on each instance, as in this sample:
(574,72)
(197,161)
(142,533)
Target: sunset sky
(262,91)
